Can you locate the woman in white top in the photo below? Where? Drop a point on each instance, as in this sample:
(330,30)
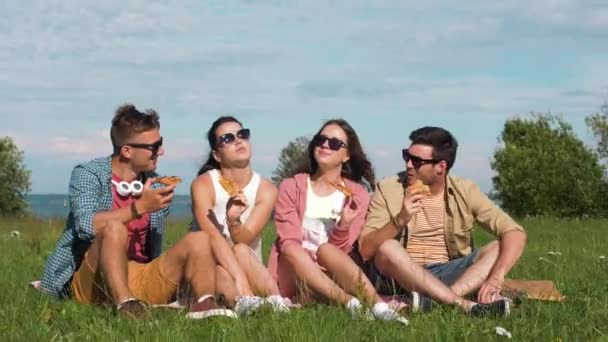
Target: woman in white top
(235,223)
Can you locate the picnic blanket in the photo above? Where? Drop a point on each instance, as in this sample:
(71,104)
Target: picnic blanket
(545,290)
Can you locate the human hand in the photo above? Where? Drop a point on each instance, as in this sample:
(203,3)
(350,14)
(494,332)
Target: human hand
(411,205)
(490,289)
(236,206)
(152,200)
(349,213)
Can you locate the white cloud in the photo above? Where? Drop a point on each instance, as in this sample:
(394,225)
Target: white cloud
(66,65)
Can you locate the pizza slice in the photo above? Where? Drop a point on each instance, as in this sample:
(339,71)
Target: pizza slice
(231,188)
(344,189)
(420,187)
(169,180)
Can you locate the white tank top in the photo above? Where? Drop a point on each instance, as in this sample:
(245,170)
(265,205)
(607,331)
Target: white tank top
(221,199)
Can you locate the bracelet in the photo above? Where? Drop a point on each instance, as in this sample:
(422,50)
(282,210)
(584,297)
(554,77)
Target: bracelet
(134,211)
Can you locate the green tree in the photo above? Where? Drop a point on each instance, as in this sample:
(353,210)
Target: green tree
(14,179)
(291,158)
(542,168)
(598,123)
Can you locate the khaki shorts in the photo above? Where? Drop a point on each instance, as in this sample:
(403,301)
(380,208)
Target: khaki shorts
(147,282)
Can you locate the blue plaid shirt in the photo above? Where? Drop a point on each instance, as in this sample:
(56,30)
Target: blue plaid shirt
(90,192)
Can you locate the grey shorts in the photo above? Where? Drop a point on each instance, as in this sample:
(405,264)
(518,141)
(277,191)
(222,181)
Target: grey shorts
(447,272)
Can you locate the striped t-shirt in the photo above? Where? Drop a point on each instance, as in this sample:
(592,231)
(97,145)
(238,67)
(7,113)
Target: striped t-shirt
(426,244)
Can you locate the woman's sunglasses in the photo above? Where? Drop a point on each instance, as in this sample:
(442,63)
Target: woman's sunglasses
(153,147)
(417,162)
(229,138)
(333,143)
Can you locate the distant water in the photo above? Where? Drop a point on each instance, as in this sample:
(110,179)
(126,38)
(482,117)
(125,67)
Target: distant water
(57,206)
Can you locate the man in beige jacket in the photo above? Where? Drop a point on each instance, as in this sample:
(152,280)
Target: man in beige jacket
(420,242)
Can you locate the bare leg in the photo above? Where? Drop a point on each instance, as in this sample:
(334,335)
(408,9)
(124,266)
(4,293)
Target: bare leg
(109,252)
(225,285)
(191,259)
(477,273)
(392,260)
(311,274)
(259,278)
(346,273)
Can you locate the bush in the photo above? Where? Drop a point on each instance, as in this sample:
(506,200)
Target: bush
(291,159)
(542,168)
(14,179)
(598,123)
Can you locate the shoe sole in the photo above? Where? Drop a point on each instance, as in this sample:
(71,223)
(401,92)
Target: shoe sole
(212,313)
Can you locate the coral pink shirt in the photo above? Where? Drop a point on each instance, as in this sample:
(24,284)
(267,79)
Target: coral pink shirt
(289,212)
(138,228)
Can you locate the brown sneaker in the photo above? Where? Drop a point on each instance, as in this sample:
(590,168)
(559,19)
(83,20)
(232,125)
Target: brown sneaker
(134,308)
(208,307)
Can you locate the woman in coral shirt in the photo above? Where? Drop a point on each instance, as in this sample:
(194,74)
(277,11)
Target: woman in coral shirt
(318,216)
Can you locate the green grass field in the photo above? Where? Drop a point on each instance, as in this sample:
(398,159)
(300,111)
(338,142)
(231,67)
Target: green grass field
(579,272)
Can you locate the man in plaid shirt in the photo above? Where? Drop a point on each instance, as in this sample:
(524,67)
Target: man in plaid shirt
(110,250)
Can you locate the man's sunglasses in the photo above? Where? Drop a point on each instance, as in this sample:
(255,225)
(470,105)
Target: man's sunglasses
(229,138)
(153,147)
(417,162)
(333,143)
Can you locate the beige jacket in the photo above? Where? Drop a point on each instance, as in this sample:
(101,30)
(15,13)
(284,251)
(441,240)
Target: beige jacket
(465,205)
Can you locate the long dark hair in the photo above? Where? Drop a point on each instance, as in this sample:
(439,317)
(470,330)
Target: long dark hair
(358,168)
(211,163)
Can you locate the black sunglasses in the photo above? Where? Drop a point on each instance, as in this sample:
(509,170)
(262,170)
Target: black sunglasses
(417,162)
(153,147)
(333,143)
(229,138)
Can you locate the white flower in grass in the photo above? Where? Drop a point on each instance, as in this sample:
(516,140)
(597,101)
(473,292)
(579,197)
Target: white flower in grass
(602,257)
(15,234)
(554,253)
(546,260)
(500,331)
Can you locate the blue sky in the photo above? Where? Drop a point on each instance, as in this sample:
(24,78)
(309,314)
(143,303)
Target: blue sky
(283,67)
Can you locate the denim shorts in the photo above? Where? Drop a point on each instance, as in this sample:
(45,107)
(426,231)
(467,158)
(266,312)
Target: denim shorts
(447,272)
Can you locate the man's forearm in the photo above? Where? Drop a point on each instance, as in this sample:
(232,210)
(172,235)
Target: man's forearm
(512,245)
(372,241)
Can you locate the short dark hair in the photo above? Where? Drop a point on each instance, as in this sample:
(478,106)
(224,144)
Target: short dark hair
(443,142)
(128,121)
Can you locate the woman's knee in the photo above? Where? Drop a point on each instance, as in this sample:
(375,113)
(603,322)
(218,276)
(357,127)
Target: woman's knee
(241,251)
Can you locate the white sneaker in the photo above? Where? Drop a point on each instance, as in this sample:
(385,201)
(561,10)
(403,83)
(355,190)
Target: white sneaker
(278,303)
(357,310)
(383,312)
(246,305)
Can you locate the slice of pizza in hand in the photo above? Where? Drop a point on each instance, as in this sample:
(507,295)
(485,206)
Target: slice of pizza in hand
(344,189)
(420,187)
(169,180)
(231,188)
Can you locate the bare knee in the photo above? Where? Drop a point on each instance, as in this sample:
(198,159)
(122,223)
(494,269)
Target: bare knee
(324,252)
(241,251)
(197,241)
(114,231)
(291,253)
(389,253)
(490,250)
